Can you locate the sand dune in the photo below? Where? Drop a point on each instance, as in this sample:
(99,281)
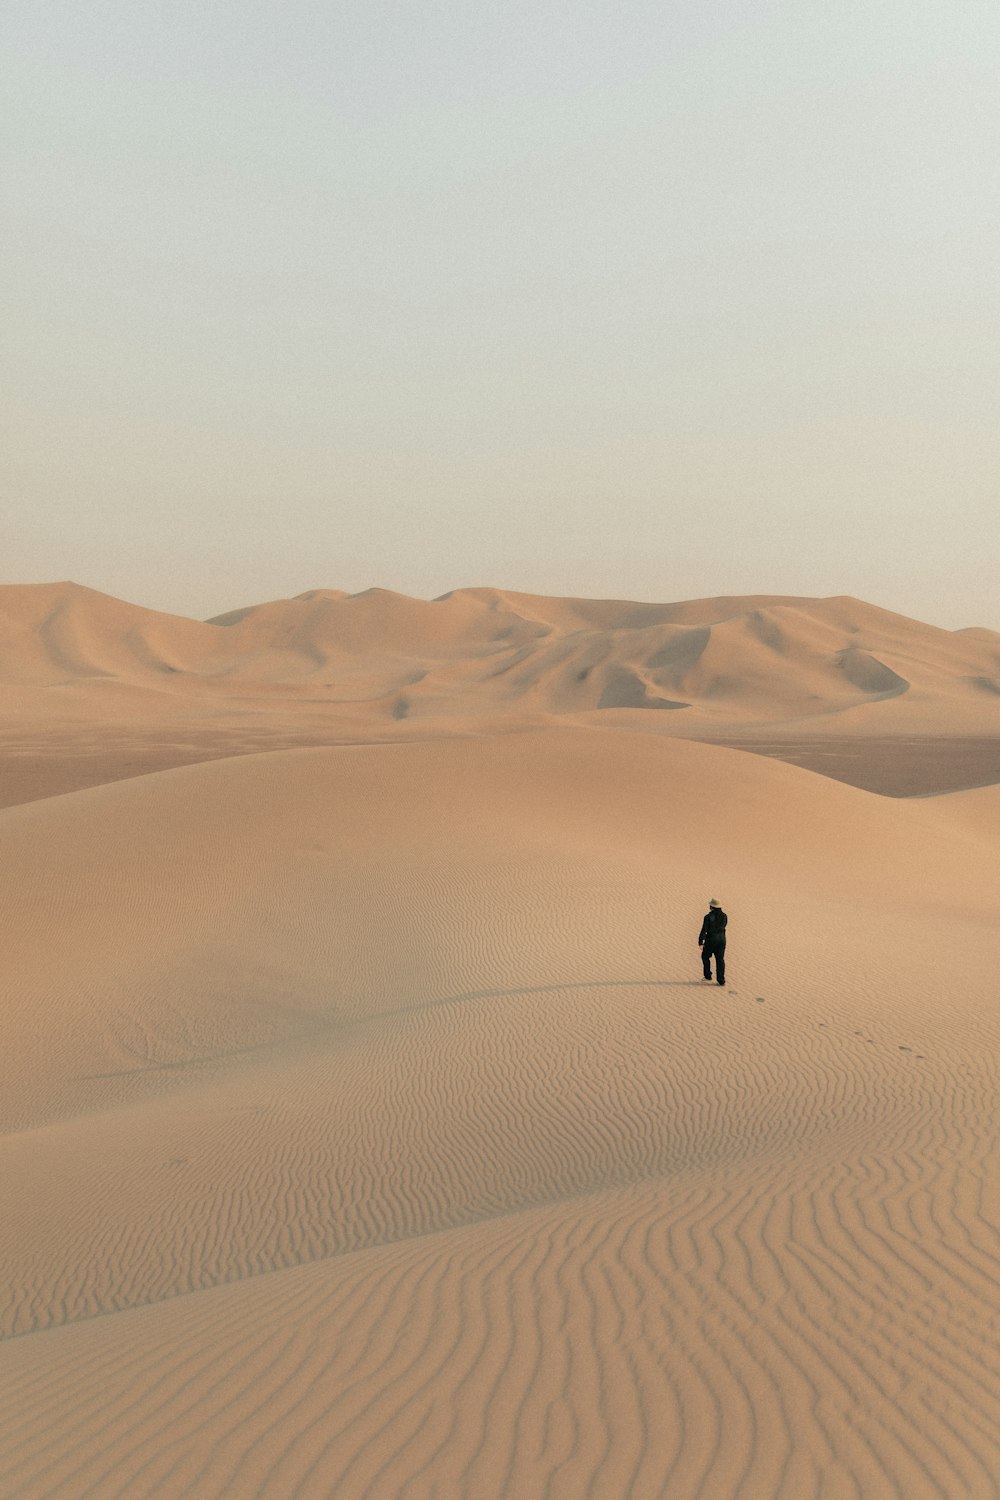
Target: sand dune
(365,1127)
(368,1131)
(716,662)
(93,689)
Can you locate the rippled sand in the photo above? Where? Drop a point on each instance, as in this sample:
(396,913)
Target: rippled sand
(369,1132)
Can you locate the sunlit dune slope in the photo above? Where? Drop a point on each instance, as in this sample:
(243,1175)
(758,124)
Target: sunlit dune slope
(370,1133)
(59,633)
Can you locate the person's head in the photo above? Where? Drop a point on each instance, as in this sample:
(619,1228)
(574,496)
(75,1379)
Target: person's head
(713,905)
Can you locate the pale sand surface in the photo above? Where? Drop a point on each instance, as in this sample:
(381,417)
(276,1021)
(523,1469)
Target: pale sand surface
(53,761)
(368,1132)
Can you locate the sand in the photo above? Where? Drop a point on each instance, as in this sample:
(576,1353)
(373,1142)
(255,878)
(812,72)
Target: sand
(367,1129)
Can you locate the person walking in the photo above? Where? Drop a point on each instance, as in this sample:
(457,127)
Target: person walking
(712,941)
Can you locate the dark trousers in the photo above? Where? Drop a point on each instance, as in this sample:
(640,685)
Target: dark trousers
(719,950)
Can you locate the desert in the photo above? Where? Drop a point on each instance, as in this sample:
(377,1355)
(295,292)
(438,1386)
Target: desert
(499,751)
(368,1129)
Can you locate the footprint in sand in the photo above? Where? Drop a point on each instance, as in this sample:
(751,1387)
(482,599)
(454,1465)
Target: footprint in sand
(904,1048)
(760,999)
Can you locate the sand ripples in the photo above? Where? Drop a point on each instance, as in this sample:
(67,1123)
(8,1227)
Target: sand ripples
(505,1204)
(798,1309)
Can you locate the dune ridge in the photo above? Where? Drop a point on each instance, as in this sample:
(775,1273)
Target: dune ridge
(489,652)
(93,689)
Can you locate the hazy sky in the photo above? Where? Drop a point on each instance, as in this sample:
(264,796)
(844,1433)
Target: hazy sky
(647,298)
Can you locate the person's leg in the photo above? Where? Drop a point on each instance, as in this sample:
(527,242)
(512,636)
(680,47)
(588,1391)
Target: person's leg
(720,962)
(706,959)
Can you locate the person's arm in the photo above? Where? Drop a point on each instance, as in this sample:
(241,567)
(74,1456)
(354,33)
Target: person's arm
(703,933)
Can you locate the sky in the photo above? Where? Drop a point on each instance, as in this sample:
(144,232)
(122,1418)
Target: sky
(652,299)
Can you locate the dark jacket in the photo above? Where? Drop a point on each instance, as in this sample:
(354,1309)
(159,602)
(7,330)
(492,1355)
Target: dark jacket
(713,929)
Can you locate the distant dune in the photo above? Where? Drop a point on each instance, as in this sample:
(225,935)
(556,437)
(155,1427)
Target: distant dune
(366,1127)
(712,662)
(92,688)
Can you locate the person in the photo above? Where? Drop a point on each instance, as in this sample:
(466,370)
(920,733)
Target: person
(712,941)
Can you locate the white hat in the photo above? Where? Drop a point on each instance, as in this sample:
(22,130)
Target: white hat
(713,902)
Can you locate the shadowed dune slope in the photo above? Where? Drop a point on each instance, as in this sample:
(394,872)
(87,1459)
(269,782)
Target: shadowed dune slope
(388,1143)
